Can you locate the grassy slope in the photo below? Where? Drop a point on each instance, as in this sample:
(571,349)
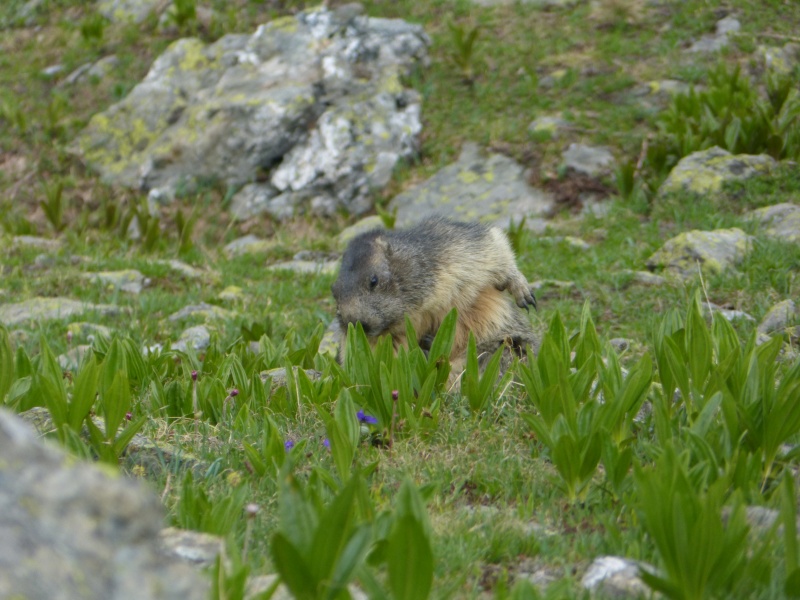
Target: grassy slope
(469,464)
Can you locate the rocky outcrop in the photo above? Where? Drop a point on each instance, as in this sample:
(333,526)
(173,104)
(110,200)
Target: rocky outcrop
(42,309)
(309,109)
(780,221)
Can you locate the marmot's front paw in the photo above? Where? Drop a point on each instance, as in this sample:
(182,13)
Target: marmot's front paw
(523,294)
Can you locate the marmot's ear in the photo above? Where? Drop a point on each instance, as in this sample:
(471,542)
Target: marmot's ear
(384,245)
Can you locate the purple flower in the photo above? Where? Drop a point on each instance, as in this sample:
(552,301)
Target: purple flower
(395,395)
(194,375)
(234,392)
(326,442)
(288,444)
(128,416)
(365,418)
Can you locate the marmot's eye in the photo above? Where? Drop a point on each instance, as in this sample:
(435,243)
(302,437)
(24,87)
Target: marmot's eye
(374,281)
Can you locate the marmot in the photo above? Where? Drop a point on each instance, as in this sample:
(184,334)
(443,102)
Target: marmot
(426,270)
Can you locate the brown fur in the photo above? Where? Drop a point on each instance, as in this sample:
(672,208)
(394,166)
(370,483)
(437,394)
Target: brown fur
(426,271)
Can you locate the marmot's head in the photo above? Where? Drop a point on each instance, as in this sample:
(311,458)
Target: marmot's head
(367,290)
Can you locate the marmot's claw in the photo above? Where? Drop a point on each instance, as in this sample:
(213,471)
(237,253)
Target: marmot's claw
(527,299)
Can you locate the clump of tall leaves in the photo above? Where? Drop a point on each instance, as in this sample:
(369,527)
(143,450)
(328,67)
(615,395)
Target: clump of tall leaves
(462,49)
(321,547)
(730,113)
(577,425)
(402,385)
(703,553)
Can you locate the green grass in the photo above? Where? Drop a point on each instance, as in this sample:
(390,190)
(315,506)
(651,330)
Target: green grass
(493,497)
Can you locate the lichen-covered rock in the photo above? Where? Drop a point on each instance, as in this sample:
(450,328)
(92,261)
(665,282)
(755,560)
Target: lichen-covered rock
(490,189)
(208,312)
(193,547)
(314,101)
(72,530)
(364,225)
(713,251)
(45,309)
(705,171)
(247,244)
(549,125)
(324,267)
(780,221)
(780,61)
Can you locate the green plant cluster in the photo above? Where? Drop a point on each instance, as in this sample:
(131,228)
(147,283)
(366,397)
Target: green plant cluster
(732,113)
(716,436)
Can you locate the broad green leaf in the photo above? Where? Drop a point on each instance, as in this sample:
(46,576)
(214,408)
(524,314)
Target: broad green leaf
(352,557)
(124,438)
(332,532)
(410,560)
(292,568)
(84,392)
(116,401)
(6,363)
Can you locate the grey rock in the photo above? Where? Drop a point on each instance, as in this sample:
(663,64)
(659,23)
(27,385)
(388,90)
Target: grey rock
(88,331)
(198,338)
(328,267)
(193,547)
(32,241)
(248,244)
(713,251)
(728,313)
(77,75)
(778,317)
(620,344)
(645,277)
(70,530)
(120,11)
(569,240)
(557,284)
(490,189)
(186,270)
(721,37)
(52,70)
(103,67)
(705,171)
(314,101)
(24,14)
(126,280)
(781,221)
(364,225)
(588,159)
(616,577)
(203,310)
(45,309)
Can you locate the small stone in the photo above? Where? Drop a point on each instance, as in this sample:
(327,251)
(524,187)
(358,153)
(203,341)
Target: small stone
(31,241)
(616,577)
(52,70)
(645,277)
(187,271)
(193,547)
(277,377)
(620,344)
(306,266)
(728,313)
(126,280)
(198,338)
(720,39)
(231,293)
(89,331)
(588,159)
(553,283)
(206,311)
(44,309)
(780,61)
(778,317)
(249,244)
(255,199)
